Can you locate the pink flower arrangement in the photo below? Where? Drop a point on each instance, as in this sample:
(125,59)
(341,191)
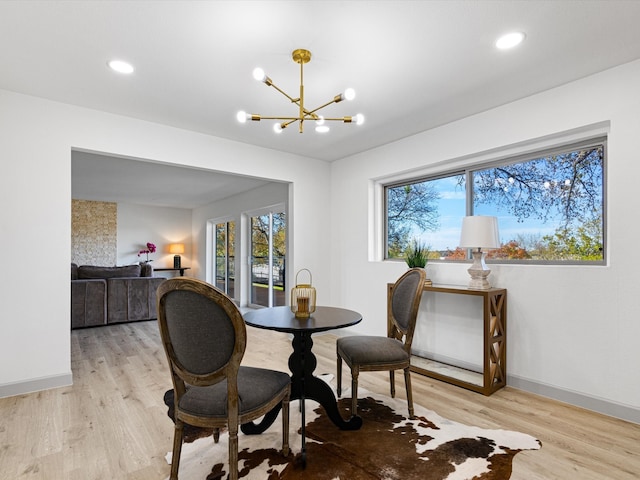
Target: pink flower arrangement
(151,248)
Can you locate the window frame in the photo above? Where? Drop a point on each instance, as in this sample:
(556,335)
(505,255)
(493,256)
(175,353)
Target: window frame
(264,211)
(468,169)
(229,226)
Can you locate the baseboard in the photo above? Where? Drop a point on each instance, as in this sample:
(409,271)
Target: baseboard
(36,385)
(600,405)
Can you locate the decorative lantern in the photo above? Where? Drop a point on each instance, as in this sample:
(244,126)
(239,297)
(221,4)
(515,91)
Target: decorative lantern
(303,298)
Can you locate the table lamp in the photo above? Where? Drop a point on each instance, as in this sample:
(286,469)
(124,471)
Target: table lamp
(176,248)
(479,232)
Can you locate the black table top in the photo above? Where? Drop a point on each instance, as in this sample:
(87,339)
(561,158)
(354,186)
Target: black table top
(282,319)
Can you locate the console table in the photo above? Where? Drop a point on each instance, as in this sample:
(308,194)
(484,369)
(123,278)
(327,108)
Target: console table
(181,270)
(494,350)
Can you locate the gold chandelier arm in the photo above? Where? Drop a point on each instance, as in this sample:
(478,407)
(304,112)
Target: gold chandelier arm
(257,118)
(262,117)
(293,100)
(336,99)
(286,124)
(304,113)
(342,119)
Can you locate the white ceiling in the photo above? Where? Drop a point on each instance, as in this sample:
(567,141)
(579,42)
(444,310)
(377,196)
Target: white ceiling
(414,64)
(116,179)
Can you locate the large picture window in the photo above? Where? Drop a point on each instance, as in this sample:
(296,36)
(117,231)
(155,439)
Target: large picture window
(550,207)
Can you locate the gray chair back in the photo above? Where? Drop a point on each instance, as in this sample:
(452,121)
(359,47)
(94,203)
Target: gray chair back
(406,294)
(202,329)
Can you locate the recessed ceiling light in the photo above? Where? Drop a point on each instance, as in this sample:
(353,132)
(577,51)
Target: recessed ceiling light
(120,66)
(509,40)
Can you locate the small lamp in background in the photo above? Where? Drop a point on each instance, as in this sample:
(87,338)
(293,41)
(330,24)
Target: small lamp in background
(176,248)
(479,232)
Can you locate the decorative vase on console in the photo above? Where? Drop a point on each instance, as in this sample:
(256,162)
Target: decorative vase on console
(150,248)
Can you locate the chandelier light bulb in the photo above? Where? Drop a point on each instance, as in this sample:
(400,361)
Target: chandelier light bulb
(259,74)
(358,119)
(322,129)
(320,120)
(242,116)
(277,128)
(349,94)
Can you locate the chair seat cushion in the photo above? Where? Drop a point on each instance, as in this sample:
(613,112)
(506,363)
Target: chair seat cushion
(256,388)
(371,350)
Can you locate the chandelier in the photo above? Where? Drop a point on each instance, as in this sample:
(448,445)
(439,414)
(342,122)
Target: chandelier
(301,56)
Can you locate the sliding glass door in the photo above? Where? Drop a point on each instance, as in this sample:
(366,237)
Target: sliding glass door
(225,257)
(267,258)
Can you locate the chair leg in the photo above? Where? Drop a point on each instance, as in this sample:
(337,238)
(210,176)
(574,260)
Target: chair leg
(354,390)
(407,382)
(233,451)
(339,374)
(177,448)
(392,382)
(285,426)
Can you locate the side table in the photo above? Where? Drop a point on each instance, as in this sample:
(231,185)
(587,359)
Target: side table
(181,270)
(494,349)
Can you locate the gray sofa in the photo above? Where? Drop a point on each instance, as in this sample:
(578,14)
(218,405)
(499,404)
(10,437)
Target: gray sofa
(105,295)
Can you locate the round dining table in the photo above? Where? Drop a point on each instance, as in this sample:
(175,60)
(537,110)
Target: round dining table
(302,362)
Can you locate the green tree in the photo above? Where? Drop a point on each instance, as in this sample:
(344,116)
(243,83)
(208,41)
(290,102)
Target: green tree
(568,184)
(222,231)
(409,206)
(260,235)
(581,243)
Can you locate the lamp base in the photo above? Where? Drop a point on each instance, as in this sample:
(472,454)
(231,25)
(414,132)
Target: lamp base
(479,272)
(176,261)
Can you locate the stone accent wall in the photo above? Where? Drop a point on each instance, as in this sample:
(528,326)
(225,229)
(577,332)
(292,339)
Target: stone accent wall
(94,232)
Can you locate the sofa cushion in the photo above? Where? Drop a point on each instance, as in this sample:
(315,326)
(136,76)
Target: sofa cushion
(91,271)
(88,303)
(132,299)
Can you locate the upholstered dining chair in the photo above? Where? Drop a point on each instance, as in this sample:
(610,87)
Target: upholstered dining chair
(393,352)
(204,337)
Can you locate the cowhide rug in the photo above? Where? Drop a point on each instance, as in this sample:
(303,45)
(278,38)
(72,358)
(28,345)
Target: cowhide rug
(389,446)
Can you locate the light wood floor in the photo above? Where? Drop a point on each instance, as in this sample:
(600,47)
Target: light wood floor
(112,423)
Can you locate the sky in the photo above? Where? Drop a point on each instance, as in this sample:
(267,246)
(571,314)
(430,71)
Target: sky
(451,209)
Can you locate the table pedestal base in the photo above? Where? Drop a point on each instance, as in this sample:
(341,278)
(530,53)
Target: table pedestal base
(306,386)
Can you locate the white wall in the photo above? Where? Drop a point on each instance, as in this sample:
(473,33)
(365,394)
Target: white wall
(36,139)
(162,226)
(572,330)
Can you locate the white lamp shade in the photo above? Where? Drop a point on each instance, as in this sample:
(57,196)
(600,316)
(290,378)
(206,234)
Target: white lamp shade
(480,232)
